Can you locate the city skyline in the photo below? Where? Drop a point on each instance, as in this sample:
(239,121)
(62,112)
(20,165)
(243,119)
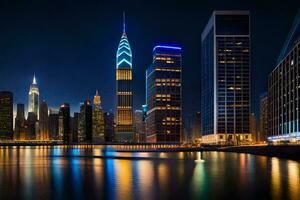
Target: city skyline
(54,85)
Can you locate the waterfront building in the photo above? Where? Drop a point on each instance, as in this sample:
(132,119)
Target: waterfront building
(75,124)
(86,122)
(6,115)
(164,95)
(98,120)
(195,132)
(124,120)
(43,121)
(109,126)
(139,126)
(20,123)
(33,103)
(225,78)
(32,126)
(284,90)
(64,123)
(53,124)
(253,128)
(263,118)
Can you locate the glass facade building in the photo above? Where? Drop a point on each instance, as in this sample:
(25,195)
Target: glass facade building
(164,95)
(225,78)
(124,115)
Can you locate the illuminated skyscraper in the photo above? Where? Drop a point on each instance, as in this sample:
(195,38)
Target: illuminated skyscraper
(33,103)
(98,120)
(225,78)
(164,95)
(6,115)
(43,121)
(124,120)
(86,122)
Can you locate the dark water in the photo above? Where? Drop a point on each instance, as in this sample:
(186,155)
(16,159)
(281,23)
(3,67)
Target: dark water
(56,173)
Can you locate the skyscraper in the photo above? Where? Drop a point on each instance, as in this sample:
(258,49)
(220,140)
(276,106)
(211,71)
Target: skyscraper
(53,124)
(98,120)
(6,115)
(263,118)
(43,121)
(109,126)
(253,128)
(20,122)
(33,103)
(124,129)
(284,90)
(75,126)
(31,122)
(86,122)
(139,126)
(164,95)
(64,123)
(225,78)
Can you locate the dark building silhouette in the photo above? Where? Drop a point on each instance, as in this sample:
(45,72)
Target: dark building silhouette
(53,124)
(6,115)
(75,126)
(31,122)
(263,118)
(164,95)
(109,126)
(43,121)
(64,123)
(86,122)
(20,123)
(225,78)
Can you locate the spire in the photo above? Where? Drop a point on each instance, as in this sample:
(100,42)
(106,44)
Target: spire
(34,80)
(97,93)
(124,25)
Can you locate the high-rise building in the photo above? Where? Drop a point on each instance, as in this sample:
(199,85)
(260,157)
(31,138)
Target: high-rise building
(253,128)
(33,103)
(263,118)
(98,120)
(109,126)
(64,123)
(139,126)
(75,126)
(43,121)
(86,122)
(284,90)
(124,120)
(195,126)
(53,124)
(20,122)
(31,122)
(225,78)
(6,115)
(164,95)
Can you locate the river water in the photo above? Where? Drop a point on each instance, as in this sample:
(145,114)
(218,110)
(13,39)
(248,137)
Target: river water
(60,173)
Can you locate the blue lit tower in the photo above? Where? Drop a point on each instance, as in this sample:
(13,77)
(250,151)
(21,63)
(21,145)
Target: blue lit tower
(124,130)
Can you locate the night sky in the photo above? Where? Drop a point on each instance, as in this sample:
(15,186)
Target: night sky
(71,45)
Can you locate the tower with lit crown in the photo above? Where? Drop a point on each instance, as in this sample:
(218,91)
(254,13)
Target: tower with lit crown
(124,129)
(33,103)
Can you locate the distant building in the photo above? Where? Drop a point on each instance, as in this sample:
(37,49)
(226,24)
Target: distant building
(98,120)
(164,95)
(284,90)
(263,118)
(53,124)
(6,115)
(75,126)
(33,103)
(20,123)
(109,126)
(124,120)
(31,122)
(225,78)
(253,128)
(139,126)
(195,126)
(64,123)
(43,121)
(86,122)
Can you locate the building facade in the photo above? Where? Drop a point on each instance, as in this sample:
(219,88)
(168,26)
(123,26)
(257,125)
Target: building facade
(225,78)
(64,123)
(33,98)
(20,123)
(43,121)
(6,115)
(139,126)
(75,126)
(98,120)
(109,127)
(263,118)
(164,95)
(124,119)
(53,124)
(85,129)
(284,90)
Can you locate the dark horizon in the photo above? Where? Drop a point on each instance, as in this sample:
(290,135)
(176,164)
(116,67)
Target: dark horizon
(61,42)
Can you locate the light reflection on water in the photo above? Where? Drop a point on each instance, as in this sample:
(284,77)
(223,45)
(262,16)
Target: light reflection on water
(47,173)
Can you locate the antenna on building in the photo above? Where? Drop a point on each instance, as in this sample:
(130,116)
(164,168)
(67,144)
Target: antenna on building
(34,80)
(124,25)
